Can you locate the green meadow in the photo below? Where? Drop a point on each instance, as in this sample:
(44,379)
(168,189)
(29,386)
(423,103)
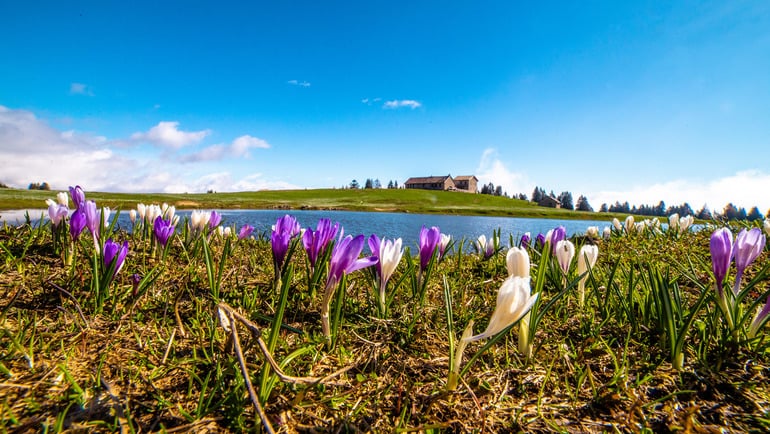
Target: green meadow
(204,331)
(388,200)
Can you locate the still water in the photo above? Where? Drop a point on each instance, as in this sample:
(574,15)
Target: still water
(388,225)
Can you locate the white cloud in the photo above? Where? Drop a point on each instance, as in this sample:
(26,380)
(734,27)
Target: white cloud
(32,151)
(81,89)
(744,189)
(239,148)
(492,169)
(166,134)
(394,104)
(302,83)
(223,182)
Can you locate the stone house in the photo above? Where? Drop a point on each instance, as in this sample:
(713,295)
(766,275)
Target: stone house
(445,183)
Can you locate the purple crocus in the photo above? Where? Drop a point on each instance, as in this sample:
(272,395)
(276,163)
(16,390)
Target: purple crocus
(315,242)
(429,239)
(77,223)
(525,240)
(284,230)
(78,196)
(759,318)
(135,279)
(748,246)
(115,252)
(721,246)
(557,234)
(374,247)
(245,232)
(215,219)
(57,213)
(345,260)
(540,240)
(93,222)
(163,230)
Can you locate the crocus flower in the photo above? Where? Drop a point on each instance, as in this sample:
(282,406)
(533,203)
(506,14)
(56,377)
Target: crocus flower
(284,230)
(485,248)
(673,222)
(199,220)
(141,210)
(115,252)
(132,216)
(92,217)
(345,260)
(57,213)
(429,239)
(616,224)
(245,232)
(766,226)
(565,251)
(586,260)
(77,223)
(517,262)
(135,279)
(748,246)
(630,226)
(315,242)
(78,196)
(163,230)
(557,234)
(525,240)
(104,215)
(389,253)
(685,223)
(592,232)
(540,240)
(443,243)
(721,246)
(759,318)
(63,199)
(513,301)
(606,233)
(215,219)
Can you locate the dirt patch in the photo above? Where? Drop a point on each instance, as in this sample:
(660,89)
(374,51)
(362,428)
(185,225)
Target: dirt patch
(187,204)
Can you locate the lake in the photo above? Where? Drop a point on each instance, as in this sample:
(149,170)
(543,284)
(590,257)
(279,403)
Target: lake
(384,224)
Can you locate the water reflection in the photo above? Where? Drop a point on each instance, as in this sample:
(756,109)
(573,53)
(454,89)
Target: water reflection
(390,225)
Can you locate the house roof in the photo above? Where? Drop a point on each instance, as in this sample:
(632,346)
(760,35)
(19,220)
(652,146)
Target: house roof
(465,178)
(427,179)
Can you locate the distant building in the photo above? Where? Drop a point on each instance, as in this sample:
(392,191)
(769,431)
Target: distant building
(460,183)
(466,183)
(549,201)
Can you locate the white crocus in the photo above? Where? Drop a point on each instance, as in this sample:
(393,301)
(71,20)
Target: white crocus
(565,251)
(389,256)
(630,227)
(606,233)
(592,232)
(141,210)
(132,216)
(484,246)
(513,301)
(617,225)
(106,216)
(673,222)
(685,223)
(517,261)
(50,203)
(63,198)
(585,261)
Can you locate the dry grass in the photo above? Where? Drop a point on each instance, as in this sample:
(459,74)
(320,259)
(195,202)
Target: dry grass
(136,368)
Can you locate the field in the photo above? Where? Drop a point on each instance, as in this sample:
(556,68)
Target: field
(393,200)
(198,330)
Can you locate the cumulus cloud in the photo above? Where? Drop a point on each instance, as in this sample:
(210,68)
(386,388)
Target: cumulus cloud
(746,189)
(32,151)
(302,83)
(492,169)
(399,103)
(239,148)
(166,134)
(81,89)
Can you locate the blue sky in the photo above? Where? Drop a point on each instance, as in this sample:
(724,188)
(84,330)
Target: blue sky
(638,101)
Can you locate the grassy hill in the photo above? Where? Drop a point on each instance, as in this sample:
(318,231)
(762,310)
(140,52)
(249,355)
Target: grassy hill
(385,200)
